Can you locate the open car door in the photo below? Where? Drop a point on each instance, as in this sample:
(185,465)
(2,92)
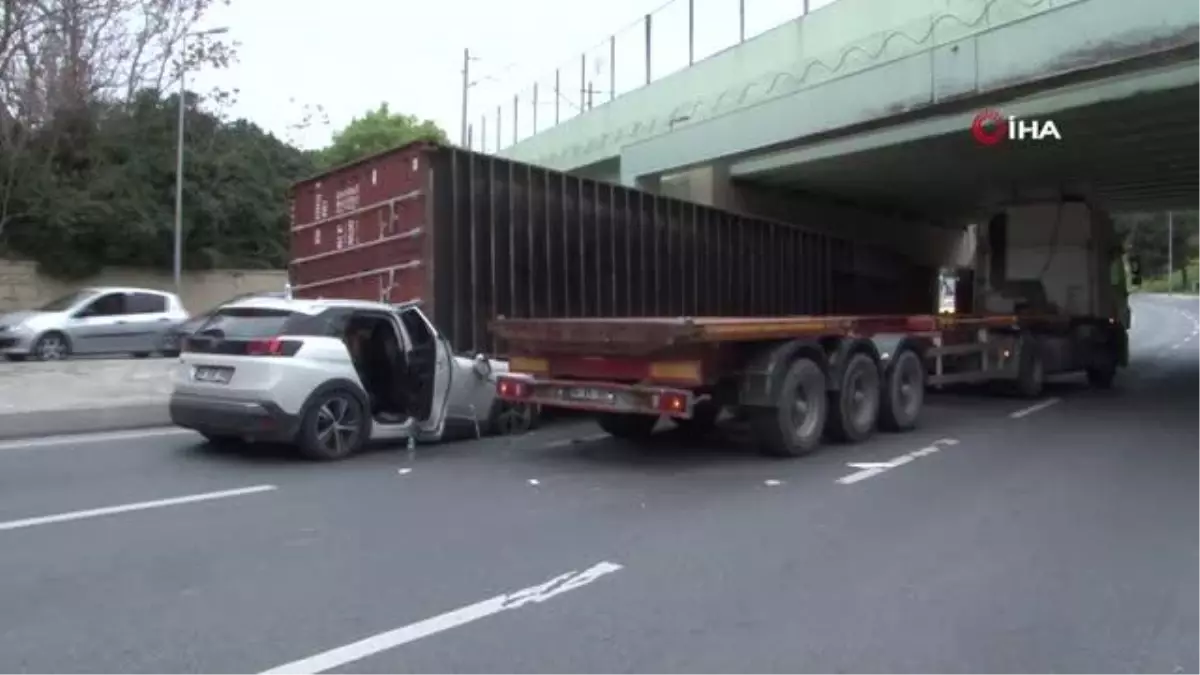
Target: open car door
(429,372)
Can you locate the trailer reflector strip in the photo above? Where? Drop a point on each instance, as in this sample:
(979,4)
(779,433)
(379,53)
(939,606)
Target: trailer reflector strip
(677,371)
(527,364)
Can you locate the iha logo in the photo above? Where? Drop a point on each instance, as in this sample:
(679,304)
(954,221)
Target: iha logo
(990,127)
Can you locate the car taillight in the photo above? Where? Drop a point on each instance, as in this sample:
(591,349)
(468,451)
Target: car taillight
(272,347)
(509,388)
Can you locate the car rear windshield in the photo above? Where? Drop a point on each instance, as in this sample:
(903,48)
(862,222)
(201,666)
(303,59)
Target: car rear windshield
(246,323)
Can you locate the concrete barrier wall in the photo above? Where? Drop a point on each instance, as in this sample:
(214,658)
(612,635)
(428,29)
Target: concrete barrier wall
(22,287)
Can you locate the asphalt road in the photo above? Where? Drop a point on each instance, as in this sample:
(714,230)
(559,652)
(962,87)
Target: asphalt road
(1047,537)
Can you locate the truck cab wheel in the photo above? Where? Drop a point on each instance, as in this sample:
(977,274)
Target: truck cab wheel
(628,426)
(854,407)
(794,425)
(903,392)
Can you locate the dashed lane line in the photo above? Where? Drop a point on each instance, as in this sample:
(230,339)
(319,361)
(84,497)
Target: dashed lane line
(129,508)
(1036,407)
(100,437)
(871,469)
(356,651)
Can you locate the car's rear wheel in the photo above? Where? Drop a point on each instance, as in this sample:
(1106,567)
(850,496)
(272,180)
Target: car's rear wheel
(334,427)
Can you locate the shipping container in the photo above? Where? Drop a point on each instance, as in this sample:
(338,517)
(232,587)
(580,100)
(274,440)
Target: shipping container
(474,237)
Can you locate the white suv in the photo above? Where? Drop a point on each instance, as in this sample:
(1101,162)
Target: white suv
(325,375)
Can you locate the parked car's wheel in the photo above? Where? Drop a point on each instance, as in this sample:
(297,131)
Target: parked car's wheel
(52,346)
(170,345)
(335,426)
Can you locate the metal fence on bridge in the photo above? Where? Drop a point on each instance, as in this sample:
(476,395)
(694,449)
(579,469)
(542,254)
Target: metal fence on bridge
(664,41)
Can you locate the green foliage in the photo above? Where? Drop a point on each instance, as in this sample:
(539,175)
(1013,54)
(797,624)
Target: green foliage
(96,186)
(1149,239)
(376,131)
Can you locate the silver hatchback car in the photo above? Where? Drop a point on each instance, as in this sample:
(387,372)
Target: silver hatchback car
(90,321)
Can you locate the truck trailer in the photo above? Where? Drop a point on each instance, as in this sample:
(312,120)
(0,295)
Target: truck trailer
(470,237)
(1044,294)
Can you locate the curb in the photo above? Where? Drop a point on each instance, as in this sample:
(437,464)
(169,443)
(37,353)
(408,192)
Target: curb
(43,423)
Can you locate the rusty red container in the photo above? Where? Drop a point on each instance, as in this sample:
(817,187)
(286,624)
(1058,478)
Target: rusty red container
(473,237)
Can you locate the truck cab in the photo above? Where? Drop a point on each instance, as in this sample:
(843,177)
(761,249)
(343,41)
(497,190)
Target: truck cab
(1059,261)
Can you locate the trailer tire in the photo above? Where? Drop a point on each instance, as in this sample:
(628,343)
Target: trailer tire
(627,426)
(794,425)
(903,392)
(854,407)
(1031,371)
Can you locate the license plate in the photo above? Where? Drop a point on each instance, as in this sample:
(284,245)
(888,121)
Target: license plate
(213,374)
(589,394)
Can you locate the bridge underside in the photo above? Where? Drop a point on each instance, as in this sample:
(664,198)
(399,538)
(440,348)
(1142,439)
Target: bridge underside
(1133,153)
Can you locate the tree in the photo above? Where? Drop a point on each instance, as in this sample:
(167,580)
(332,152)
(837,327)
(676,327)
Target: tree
(59,57)
(87,142)
(105,194)
(376,131)
(1146,236)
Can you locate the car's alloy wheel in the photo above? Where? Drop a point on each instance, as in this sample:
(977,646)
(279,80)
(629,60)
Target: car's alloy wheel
(52,347)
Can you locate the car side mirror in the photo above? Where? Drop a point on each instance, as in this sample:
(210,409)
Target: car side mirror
(483,367)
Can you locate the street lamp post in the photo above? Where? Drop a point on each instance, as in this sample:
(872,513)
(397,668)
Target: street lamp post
(179,153)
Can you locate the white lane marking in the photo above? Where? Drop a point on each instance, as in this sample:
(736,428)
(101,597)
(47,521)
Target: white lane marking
(375,644)
(535,482)
(404,472)
(127,508)
(868,469)
(1023,412)
(101,437)
(771,482)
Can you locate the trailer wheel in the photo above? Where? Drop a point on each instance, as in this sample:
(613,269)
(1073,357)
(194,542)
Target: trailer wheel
(793,426)
(628,426)
(1031,371)
(903,393)
(854,407)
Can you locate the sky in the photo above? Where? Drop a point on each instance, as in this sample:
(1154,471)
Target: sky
(345,57)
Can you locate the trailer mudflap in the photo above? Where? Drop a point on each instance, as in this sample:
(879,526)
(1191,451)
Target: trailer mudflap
(597,396)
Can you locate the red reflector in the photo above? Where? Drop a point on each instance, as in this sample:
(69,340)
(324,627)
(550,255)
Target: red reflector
(672,403)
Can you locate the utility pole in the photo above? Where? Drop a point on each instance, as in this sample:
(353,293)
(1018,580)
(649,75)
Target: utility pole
(178,257)
(1170,253)
(466,87)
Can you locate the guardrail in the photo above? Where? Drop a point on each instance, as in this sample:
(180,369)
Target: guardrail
(664,41)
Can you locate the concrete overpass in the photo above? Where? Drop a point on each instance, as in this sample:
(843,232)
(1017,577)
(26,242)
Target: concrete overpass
(869,102)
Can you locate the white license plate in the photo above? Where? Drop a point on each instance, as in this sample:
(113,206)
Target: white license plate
(589,394)
(213,374)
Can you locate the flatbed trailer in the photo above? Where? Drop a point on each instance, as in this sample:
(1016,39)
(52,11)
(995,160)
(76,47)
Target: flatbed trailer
(798,379)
